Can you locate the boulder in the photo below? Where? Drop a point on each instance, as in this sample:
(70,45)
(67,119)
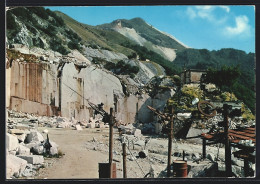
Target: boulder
(60,119)
(183,116)
(211,87)
(53,151)
(137,133)
(32,144)
(22,150)
(21,126)
(65,124)
(12,152)
(83,123)
(28,171)
(78,127)
(11,142)
(143,153)
(32,159)
(91,125)
(21,138)
(205,168)
(14,165)
(45,131)
(34,136)
(38,149)
(53,144)
(16,131)
(196,155)
(195,101)
(211,157)
(101,125)
(238,171)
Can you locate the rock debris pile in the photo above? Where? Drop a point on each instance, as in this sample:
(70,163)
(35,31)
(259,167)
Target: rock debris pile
(27,148)
(148,154)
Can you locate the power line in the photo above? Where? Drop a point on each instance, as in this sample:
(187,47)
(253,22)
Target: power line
(136,161)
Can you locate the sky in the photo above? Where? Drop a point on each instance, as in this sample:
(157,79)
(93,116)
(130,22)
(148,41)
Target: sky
(200,27)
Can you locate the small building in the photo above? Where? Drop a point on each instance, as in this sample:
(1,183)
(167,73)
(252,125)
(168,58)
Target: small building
(191,76)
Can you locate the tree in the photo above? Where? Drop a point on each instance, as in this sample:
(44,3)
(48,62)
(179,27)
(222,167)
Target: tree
(223,78)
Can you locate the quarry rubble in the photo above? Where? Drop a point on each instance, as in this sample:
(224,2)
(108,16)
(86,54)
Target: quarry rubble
(25,156)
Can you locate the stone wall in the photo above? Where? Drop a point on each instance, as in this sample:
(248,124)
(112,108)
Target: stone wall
(32,88)
(36,88)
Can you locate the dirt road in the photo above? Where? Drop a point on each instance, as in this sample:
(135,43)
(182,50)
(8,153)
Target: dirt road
(77,162)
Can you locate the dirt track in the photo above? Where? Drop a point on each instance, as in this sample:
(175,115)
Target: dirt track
(77,162)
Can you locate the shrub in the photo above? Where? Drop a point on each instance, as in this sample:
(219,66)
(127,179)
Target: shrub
(73,45)
(56,45)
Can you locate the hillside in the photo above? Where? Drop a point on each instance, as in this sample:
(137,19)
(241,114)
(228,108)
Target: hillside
(123,40)
(145,35)
(94,38)
(146,31)
(35,26)
(244,88)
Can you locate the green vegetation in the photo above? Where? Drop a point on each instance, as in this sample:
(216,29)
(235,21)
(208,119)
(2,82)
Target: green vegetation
(56,45)
(246,113)
(97,38)
(12,55)
(75,40)
(182,100)
(243,87)
(225,77)
(12,27)
(121,68)
(32,17)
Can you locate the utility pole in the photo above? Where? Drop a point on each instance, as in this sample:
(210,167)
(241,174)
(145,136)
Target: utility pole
(170,142)
(111,124)
(115,102)
(226,109)
(124,160)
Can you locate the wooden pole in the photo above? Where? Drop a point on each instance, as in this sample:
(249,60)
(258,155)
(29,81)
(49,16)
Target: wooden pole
(124,160)
(111,141)
(246,167)
(203,148)
(170,142)
(227,143)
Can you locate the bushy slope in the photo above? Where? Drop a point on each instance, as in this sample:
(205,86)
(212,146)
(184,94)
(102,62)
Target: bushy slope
(203,59)
(36,26)
(109,40)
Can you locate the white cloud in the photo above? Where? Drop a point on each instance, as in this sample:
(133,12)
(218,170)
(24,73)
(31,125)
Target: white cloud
(225,8)
(191,13)
(241,27)
(204,7)
(207,12)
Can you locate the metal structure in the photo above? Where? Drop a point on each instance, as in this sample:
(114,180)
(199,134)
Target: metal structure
(109,118)
(111,124)
(167,117)
(207,109)
(230,137)
(124,160)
